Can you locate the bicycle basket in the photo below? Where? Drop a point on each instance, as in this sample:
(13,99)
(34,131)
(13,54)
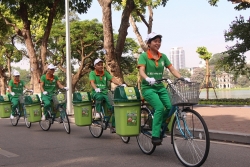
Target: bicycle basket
(60,98)
(184,93)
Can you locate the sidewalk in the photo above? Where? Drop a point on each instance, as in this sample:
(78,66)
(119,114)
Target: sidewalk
(231,124)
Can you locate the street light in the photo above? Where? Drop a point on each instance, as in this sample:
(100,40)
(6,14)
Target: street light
(68,59)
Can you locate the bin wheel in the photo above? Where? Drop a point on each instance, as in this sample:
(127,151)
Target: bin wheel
(96,129)
(125,139)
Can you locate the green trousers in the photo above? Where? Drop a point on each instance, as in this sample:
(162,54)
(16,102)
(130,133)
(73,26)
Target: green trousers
(15,104)
(47,103)
(159,99)
(100,99)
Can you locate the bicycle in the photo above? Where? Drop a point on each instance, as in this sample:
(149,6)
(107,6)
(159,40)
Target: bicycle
(58,104)
(21,111)
(189,132)
(101,120)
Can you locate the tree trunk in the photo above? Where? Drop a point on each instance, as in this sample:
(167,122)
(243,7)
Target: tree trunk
(46,34)
(113,55)
(3,81)
(207,77)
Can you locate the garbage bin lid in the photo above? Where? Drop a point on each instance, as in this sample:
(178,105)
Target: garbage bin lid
(126,94)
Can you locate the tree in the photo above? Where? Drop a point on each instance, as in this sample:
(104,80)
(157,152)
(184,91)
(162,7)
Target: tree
(242,2)
(138,15)
(205,55)
(9,53)
(185,73)
(239,31)
(33,22)
(86,45)
(198,75)
(243,81)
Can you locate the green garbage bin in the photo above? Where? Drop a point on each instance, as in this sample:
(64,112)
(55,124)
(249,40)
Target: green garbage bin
(82,108)
(127,108)
(5,106)
(33,108)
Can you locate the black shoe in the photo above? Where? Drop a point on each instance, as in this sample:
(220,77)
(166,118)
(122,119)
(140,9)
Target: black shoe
(112,130)
(156,141)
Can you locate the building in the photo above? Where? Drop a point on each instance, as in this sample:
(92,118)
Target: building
(177,57)
(225,81)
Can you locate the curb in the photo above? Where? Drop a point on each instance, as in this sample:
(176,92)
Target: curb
(204,105)
(241,138)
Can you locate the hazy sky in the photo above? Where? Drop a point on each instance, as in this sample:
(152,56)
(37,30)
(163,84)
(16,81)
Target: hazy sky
(184,23)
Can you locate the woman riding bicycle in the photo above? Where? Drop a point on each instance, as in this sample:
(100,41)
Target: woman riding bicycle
(49,82)
(98,80)
(151,66)
(16,89)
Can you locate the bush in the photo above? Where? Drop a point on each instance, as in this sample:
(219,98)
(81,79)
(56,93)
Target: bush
(225,101)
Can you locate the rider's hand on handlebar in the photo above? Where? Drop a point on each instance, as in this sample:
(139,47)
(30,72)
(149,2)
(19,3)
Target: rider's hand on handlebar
(12,93)
(45,92)
(66,88)
(124,85)
(181,79)
(184,79)
(97,90)
(151,81)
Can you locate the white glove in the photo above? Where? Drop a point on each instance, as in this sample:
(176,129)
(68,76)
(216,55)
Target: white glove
(187,79)
(66,88)
(124,85)
(151,81)
(45,92)
(24,90)
(97,90)
(12,93)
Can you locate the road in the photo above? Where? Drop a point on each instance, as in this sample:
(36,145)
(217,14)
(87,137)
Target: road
(23,147)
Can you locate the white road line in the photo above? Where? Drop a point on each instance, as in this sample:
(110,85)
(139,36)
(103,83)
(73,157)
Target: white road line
(7,153)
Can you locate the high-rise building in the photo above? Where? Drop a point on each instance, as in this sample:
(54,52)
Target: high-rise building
(177,57)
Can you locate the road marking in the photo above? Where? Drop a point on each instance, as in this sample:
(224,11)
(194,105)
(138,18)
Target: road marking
(7,153)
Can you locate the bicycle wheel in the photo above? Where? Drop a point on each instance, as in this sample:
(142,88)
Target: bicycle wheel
(125,139)
(144,139)
(45,125)
(65,120)
(15,120)
(96,129)
(190,138)
(27,123)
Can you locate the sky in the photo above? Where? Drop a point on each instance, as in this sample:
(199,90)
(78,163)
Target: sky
(184,23)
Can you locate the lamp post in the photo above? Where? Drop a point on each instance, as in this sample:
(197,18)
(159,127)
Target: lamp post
(68,59)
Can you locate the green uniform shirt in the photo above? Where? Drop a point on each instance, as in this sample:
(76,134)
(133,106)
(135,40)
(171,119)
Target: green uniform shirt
(100,81)
(151,70)
(17,88)
(49,86)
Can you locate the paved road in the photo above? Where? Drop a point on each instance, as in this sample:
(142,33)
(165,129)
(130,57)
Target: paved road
(23,147)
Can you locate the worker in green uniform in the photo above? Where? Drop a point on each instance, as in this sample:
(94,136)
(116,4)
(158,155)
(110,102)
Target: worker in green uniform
(16,89)
(48,84)
(151,65)
(98,80)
